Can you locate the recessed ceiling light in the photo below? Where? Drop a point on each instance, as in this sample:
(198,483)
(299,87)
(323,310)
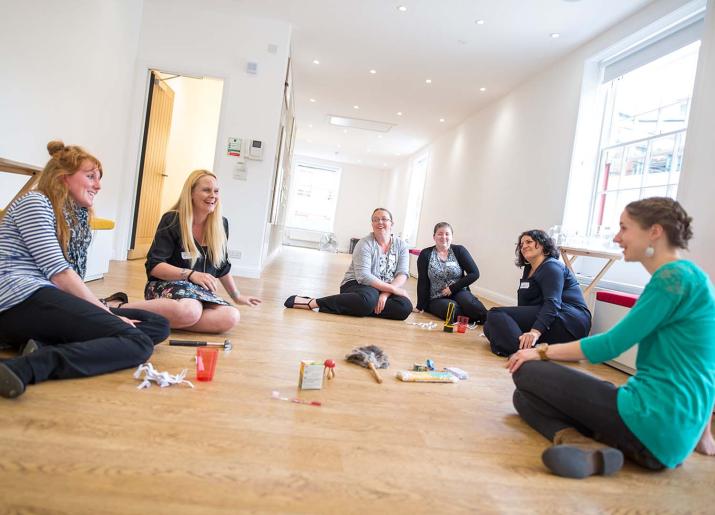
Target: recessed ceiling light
(441,120)
(310,125)
(555,35)
(482,89)
(399,113)
(479,22)
(345,131)
(373,72)
(402,8)
(312,100)
(428,81)
(356,107)
(379,136)
(315,61)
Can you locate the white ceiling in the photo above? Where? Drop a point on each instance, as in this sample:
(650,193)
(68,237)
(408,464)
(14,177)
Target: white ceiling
(434,39)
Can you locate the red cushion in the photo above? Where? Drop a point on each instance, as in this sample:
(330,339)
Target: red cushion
(621,299)
(415,252)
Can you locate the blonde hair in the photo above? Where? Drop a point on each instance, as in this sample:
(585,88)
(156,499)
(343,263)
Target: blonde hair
(65,161)
(214,234)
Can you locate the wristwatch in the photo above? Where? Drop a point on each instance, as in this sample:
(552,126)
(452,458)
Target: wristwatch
(541,349)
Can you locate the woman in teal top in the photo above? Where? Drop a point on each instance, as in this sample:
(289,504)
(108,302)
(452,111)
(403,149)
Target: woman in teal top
(659,415)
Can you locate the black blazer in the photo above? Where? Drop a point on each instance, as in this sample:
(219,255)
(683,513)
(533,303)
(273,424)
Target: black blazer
(464,258)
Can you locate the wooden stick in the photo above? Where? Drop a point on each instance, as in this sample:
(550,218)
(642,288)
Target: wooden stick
(378,378)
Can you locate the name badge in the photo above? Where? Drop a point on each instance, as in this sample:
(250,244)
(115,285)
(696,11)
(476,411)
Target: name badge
(524,285)
(186,255)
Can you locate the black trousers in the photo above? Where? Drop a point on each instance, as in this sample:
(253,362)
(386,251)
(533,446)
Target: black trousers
(464,304)
(359,300)
(504,326)
(551,397)
(80,338)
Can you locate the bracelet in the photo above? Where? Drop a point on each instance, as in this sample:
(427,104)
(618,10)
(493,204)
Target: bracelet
(188,277)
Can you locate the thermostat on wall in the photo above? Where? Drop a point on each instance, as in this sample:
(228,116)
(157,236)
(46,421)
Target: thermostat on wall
(256,150)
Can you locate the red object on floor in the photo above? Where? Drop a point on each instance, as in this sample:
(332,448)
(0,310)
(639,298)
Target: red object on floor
(415,252)
(621,299)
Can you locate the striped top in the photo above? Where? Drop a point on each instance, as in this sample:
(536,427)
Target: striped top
(30,253)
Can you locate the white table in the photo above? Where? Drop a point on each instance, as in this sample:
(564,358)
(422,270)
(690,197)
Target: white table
(569,255)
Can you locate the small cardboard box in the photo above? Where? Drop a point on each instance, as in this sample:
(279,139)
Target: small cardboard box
(311,375)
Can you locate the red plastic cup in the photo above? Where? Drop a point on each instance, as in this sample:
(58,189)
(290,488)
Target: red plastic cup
(206,363)
(462,324)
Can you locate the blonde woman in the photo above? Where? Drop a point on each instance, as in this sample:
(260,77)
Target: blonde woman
(59,327)
(188,259)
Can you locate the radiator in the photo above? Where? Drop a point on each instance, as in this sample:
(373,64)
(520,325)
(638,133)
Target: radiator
(606,314)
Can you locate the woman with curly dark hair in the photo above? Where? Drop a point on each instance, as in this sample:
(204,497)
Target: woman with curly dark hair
(550,303)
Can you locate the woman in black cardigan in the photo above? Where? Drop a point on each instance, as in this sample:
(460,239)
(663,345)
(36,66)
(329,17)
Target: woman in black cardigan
(445,273)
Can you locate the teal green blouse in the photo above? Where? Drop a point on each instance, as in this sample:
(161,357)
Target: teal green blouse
(668,402)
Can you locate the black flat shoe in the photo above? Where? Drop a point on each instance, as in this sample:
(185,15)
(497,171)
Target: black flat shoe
(119,296)
(290,302)
(11,386)
(578,462)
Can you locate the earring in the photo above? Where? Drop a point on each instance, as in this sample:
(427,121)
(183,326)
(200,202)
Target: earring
(650,251)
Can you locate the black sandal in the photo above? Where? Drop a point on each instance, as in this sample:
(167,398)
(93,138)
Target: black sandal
(290,301)
(118,296)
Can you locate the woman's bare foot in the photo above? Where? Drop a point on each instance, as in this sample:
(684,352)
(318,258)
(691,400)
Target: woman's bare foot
(706,444)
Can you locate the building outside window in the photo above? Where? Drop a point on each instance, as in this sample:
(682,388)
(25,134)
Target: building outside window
(643,134)
(313,198)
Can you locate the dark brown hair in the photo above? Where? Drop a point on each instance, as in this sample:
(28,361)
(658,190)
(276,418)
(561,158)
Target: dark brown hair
(440,226)
(382,209)
(666,212)
(549,247)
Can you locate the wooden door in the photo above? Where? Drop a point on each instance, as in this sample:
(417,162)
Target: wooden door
(153,167)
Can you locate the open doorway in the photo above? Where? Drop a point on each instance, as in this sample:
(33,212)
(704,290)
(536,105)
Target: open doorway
(180,134)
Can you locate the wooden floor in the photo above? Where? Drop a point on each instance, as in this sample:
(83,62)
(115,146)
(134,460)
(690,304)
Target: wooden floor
(99,445)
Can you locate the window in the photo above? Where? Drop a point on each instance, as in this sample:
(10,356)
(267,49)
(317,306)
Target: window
(645,119)
(414,200)
(313,198)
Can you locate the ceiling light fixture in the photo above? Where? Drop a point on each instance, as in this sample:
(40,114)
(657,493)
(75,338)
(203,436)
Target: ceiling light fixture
(402,8)
(373,72)
(310,125)
(555,35)
(479,22)
(345,131)
(315,61)
(356,123)
(399,113)
(428,81)
(441,120)
(356,107)
(312,100)
(482,89)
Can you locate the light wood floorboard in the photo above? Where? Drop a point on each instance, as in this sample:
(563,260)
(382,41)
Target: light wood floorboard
(99,445)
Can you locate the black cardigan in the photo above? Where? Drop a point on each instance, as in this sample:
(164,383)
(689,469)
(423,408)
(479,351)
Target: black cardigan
(464,258)
(167,248)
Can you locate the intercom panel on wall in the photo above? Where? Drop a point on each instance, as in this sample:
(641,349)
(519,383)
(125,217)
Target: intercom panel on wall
(255,151)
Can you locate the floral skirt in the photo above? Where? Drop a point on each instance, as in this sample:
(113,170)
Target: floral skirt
(181,290)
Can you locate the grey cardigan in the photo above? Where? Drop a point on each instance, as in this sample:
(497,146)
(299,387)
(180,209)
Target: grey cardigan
(364,267)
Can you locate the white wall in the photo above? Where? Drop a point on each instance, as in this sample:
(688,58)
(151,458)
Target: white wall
(212,38)
(506,168)
(194,128)
(361,191)
(697,179)
(66,73)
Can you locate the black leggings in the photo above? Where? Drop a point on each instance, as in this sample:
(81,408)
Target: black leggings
(81,339)
(504,326)
(551,397)
(464,304)
(359,300)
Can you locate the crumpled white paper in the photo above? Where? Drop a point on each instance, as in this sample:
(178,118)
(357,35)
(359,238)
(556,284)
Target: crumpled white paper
(424,325)
(163,379)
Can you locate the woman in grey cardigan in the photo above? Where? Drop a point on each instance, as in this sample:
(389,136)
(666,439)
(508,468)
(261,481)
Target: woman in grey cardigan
(373,284)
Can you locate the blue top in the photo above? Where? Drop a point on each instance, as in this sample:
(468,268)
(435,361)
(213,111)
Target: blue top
(555,289)
(668,402)
(30,253)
